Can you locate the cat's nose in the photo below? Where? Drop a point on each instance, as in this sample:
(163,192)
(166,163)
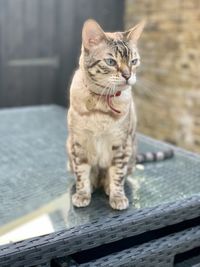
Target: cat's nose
(126,75)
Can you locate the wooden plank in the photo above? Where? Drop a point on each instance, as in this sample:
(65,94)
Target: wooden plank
(67,46)
(29,75)
(12,31)
(48,48)
(31,82)
(40,45)
(111,15)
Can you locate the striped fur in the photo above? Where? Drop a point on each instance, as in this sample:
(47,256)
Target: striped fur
(101,142)
(154,156)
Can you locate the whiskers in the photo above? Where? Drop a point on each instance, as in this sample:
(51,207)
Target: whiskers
(108,87)
(151,90)
(116,80)
(105,92)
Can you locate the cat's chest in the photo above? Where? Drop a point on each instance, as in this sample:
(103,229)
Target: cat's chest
(101,126)
(104,133)
(100,141)
(99,149)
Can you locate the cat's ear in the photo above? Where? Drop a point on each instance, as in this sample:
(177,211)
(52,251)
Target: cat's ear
(134,34)
(92,34)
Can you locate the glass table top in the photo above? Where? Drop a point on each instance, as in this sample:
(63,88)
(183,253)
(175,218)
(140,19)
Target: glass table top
(36,188)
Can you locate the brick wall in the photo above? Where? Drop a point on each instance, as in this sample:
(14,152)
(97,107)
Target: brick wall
(168,89)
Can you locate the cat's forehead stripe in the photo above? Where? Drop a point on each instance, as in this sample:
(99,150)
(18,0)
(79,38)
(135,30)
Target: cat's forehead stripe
(121,47)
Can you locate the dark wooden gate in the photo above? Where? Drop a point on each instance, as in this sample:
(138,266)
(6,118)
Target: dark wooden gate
(40,44)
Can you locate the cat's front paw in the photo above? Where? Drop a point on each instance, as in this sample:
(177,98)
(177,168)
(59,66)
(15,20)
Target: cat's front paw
(119,202)
(81,199)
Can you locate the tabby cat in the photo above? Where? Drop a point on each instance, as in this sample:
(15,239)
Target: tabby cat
(102,117)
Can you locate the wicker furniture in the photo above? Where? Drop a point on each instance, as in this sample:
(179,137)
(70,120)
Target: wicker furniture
(39,226)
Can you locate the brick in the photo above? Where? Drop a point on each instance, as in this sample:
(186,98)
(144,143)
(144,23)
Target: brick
(167,94)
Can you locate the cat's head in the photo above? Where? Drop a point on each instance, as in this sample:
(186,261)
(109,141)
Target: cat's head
(110,59)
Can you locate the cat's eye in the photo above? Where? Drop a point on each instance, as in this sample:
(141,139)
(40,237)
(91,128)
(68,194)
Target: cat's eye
(134,61)
(110,62)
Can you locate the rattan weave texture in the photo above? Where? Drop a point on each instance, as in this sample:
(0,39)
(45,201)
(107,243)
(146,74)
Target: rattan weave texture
(33,174)
(156,253)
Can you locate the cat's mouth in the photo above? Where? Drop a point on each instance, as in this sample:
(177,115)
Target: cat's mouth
(126,83)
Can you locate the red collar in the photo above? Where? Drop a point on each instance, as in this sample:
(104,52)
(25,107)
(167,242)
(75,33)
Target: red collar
(118,93)
(109,101)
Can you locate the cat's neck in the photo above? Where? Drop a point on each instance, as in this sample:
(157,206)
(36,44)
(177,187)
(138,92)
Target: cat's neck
(85,101)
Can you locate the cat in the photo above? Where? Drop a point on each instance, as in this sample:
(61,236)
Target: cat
(101,118)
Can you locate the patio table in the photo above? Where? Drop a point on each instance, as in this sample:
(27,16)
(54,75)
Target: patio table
(40,227)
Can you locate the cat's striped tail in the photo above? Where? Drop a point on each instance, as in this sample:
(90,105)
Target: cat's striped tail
(154,156)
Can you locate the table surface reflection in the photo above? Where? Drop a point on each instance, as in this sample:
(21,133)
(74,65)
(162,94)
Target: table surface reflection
(35,187)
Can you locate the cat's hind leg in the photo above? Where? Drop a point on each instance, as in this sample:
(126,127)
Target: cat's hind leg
(132,161)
